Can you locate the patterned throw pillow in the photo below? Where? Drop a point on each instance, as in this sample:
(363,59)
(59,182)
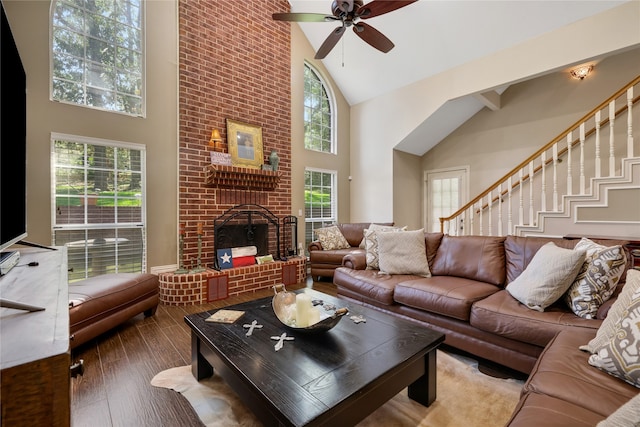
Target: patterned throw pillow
(403,253)
(371,243)
(597,279)
(331,238)
(547,277)
(620,356)
(607,329)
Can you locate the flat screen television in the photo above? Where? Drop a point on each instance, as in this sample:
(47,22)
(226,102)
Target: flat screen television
(13,141)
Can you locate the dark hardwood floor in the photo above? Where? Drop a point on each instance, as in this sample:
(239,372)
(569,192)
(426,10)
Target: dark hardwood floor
(116,389)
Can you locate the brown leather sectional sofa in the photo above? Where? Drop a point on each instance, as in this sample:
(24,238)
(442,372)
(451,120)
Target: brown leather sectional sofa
(466,300)
(323,262)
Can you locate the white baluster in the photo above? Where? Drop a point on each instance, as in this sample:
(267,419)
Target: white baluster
(598,165)
(555,177)
(500,210)
(531,222)
(582,178)
(472,216)
(612,156)
(569,177)
(543,184)
(509,209)
(490,204)
(481,224)
(629,122)
(521,208)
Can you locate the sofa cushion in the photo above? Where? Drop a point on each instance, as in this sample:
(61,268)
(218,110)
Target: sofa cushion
(626,415)
(547,277)
(446,295)
(620,356)
(608,328)
(372,285)
(503,315)
(331,238)
(597,279)
(471,257)
(563,372)
(535,410)
(403,253)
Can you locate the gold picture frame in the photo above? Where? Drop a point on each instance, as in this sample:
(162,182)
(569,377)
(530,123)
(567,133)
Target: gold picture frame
(245,144)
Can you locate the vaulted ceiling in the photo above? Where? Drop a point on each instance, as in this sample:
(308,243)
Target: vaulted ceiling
(432,37)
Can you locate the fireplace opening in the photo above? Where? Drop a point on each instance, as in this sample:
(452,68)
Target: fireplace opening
(247,225)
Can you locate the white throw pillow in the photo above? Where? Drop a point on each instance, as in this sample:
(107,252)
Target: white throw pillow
(371,243)
(403,253)
(547,277)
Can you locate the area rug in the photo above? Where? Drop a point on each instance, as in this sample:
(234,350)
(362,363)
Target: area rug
(465,397)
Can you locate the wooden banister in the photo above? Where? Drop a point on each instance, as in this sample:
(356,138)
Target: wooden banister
(544,148)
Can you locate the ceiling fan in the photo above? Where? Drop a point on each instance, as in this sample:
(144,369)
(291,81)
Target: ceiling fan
(349,13)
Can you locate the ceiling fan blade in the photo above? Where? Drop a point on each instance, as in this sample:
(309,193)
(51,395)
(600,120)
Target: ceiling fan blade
(302,17)
(330,42)
(380,7)
(372,36)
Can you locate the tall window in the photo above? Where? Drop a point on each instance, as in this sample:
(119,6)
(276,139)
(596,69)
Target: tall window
(97,54)
(320,201)
(318,113)
(98,205)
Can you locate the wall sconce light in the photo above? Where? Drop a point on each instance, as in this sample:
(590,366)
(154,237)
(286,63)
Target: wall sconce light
(215,139)
(581,72)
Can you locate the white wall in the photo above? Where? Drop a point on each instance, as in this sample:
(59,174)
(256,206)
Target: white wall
(378,125)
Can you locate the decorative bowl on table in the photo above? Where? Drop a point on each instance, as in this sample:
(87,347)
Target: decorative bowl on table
(301,313)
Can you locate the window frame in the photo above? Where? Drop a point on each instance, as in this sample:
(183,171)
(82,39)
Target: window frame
(85,59)
(89,226)
(332,106)
(322,221)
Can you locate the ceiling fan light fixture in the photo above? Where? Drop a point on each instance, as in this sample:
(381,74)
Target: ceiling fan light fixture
(579,73)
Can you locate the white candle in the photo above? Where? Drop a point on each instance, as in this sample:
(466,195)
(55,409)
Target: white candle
(303,310)
(314,316)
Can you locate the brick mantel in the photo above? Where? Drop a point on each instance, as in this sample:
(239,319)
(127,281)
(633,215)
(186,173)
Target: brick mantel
(241,178)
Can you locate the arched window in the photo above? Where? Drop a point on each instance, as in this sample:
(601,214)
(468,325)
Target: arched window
(97,54)
(319,115)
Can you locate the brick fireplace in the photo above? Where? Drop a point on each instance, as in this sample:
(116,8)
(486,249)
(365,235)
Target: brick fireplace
(234,63)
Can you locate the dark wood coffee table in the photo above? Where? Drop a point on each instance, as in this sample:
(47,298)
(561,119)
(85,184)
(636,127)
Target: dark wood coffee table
(337,377)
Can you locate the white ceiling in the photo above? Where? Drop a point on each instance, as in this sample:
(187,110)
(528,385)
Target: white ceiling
(432,37)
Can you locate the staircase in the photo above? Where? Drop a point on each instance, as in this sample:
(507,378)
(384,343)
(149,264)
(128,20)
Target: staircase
(586,181)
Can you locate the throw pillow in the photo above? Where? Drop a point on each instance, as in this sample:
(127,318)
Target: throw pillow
(371,244)
(331,238)
(374,227)
(620,356)
(547,277)
(624,416)
(597,278)
(607,329)
(403,253)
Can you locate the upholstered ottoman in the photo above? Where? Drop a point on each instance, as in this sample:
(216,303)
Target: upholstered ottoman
(103,302)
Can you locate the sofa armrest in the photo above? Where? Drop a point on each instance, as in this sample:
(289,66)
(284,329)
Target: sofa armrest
(355,261)
(315,246)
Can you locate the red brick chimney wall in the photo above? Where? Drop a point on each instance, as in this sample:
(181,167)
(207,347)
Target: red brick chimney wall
(235,63)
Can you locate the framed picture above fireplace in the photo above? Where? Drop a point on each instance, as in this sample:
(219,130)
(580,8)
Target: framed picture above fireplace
(245,144)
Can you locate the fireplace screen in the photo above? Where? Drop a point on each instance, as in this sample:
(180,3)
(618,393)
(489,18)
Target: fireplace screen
(248,225)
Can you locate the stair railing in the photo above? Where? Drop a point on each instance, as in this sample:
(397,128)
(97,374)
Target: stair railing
(515,200)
